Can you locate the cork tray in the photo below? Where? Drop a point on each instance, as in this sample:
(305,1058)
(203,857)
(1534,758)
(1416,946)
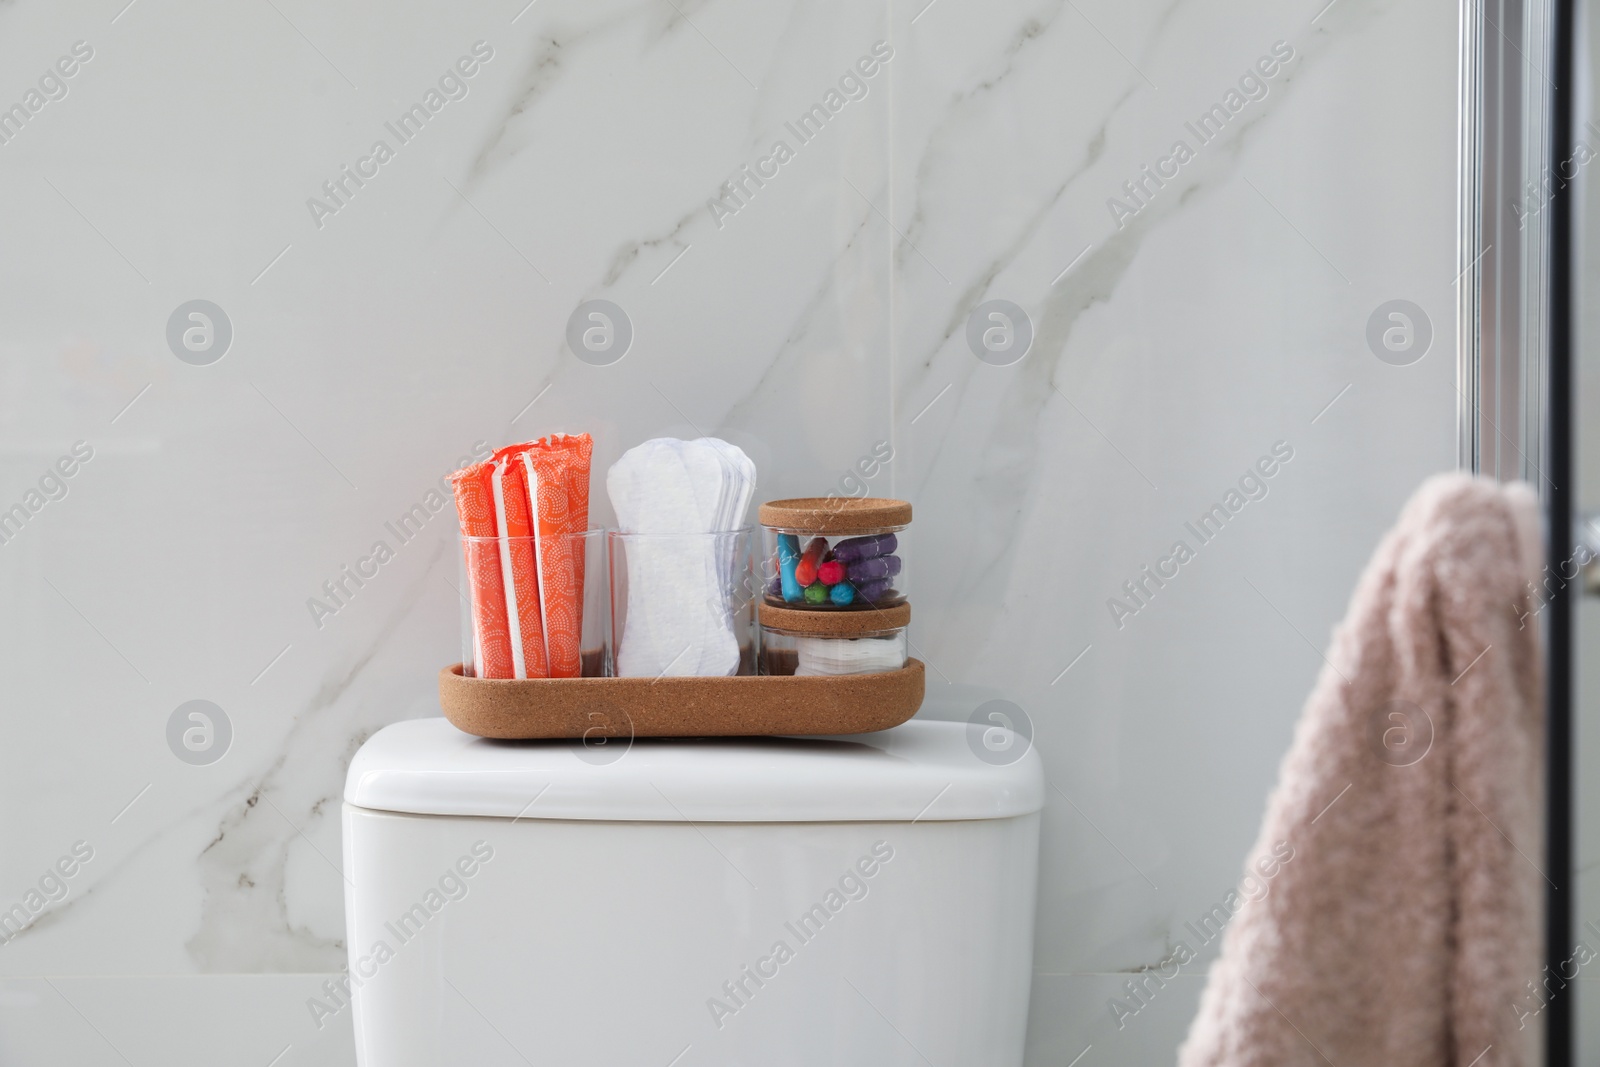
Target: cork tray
(744,705)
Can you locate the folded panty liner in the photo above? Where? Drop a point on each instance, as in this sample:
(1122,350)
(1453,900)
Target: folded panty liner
(679,615)
(527,586)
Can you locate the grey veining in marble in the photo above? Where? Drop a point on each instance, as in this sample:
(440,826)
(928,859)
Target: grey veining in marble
(828,313)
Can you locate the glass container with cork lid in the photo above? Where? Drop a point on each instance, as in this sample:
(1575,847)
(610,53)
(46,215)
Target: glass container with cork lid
(834,554)
(817,643)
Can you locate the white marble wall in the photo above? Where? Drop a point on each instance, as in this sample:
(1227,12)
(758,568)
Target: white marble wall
(1222,318)
(373,346)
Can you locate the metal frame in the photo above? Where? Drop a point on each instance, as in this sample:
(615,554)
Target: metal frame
(1505,186)
(1561,896)
(1514,351)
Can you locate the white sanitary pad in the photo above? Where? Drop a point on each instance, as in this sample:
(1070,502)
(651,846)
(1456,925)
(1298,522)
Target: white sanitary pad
(681,500)
(830,656)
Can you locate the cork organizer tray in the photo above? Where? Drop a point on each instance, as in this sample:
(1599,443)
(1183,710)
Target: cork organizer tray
(742,705)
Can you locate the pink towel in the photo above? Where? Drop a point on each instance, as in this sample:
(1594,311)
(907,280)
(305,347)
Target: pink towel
(1404,929)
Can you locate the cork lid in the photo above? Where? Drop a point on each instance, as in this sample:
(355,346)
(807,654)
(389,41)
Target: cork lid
(836,515)
(841,622)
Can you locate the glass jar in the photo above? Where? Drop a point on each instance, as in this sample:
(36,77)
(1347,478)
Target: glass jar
(830,554)
(806,643)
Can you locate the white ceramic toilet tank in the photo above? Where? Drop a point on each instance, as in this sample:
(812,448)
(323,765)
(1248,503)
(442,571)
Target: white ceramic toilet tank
(757,902)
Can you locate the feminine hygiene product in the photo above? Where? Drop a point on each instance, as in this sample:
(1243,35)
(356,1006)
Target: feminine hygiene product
(520,514)
(680,511)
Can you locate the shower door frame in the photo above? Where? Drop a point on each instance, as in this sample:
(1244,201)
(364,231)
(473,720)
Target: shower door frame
(1515,355)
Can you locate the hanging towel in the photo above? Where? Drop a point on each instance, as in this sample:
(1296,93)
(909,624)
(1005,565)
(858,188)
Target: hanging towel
(1404,927)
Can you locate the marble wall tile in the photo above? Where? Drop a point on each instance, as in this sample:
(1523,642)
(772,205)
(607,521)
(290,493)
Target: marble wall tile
(427,313)
(375,345)
(1175,344)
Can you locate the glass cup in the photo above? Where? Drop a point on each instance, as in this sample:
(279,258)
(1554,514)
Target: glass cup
(683,604)
(535,607)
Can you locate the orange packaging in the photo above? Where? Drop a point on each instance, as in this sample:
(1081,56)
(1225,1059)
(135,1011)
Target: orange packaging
(527,595)
(552,477)
(519,570)
(580,448)
(474,491)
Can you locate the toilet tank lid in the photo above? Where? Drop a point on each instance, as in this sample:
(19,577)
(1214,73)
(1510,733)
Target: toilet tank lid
(924,770)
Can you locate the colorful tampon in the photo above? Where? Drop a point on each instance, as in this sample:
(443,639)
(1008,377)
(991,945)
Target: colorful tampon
(868,569)
(872,591)
(788,557)
(805,572)
(853,549)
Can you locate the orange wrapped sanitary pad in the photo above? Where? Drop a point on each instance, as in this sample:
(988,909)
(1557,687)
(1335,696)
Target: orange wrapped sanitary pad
(491,642)
(519,569)
(527,589)
(558,488)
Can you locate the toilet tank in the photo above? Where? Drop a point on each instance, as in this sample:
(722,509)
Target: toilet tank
(678,903)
